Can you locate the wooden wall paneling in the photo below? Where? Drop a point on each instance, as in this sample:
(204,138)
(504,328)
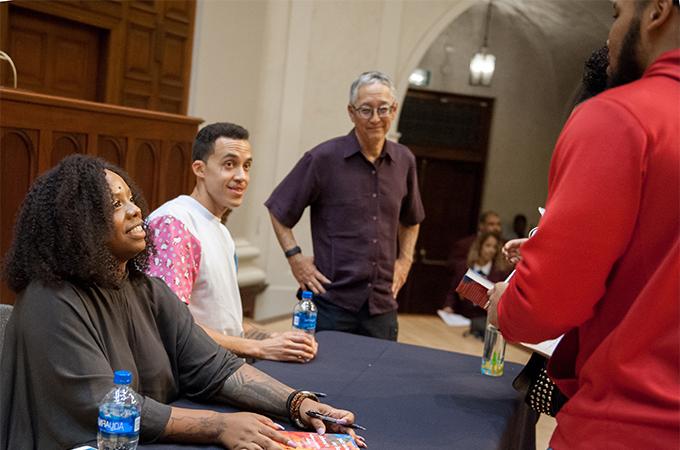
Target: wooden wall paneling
(171,72)
(113,69)
(143,162)
(112,148)
(107,16)
(5,69)
(143,57)
(106,7)
(45,149)
(18,169)
(180,11)
(53,127)
(139,78)
(188,16)
(77,11)
(189,178)
(28,47)
(176,40)
(77,67)
(55,55)
(148,6)
(174,167)
(66,143)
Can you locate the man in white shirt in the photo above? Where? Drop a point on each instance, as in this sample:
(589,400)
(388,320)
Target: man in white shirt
(196,253)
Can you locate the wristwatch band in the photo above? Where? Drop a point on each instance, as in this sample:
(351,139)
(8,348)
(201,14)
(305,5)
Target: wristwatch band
(292,251)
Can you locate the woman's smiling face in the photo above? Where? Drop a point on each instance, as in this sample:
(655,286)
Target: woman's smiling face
(128,235)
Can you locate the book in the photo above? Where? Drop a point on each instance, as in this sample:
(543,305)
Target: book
(453,320)
(545,348)
(473,287)
(309,440)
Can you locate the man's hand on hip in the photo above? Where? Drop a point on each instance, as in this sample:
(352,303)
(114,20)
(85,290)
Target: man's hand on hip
(307,275)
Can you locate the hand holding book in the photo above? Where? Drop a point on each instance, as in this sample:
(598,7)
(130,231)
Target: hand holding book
(474,287)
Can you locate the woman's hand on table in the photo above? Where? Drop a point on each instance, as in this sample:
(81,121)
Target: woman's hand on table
(250,431)
(321,427)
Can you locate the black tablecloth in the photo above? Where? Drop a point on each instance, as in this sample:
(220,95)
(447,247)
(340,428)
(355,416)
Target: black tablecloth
(409,397)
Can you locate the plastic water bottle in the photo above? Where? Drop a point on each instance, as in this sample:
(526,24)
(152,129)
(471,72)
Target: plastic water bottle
(493,355)
(119,415)
(304,314)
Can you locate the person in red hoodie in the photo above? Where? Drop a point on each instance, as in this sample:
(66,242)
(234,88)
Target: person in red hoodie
(604,267)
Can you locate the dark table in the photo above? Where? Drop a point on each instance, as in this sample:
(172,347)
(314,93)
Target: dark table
(409,397)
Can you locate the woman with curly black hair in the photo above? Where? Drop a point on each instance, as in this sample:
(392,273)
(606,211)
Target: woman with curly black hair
(85,308)
(58,214)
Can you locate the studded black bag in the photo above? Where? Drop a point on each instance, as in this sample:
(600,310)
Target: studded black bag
(542,395)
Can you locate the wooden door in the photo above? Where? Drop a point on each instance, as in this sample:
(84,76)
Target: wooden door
(134,53)
(56,56)
(449,135)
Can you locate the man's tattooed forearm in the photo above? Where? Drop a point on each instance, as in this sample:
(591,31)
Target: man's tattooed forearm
(251,389)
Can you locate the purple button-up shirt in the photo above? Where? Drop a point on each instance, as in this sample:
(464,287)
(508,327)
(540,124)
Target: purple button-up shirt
(356,207)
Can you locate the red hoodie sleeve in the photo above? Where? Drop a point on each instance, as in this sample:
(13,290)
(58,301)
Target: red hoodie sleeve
(594,193)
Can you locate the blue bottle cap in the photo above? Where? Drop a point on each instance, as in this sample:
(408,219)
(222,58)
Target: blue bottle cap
(122,377)
(307,294)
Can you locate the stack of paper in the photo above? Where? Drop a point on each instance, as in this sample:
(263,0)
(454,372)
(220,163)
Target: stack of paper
(453,320)
(545,348)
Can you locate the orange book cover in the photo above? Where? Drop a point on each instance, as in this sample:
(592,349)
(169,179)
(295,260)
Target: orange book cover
(307,440)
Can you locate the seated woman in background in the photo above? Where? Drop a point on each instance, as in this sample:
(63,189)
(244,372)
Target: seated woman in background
(85,308)
(484,258)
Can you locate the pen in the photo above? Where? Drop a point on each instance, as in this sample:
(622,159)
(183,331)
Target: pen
(319,394)
(318,415)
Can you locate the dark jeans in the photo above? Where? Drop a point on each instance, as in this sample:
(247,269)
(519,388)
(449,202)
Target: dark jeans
(331,317)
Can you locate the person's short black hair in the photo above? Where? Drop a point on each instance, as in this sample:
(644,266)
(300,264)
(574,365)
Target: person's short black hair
(63,227)
(204,144)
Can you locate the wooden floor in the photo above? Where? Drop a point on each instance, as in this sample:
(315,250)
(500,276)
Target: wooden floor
(431,331)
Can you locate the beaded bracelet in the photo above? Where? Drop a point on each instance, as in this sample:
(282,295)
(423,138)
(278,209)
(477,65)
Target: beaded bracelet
(293,404)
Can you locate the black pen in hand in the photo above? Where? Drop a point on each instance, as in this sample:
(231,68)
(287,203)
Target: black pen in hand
(318,415)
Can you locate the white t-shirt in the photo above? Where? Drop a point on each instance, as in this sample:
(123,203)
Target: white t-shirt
(196,257)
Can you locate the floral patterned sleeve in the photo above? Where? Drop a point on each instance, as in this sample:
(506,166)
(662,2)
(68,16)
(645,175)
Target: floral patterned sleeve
(178,255)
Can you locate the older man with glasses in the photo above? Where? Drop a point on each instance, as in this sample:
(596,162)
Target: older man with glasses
(365,213)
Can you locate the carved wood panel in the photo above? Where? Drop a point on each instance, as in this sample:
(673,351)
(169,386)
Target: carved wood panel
(142,165)
(113,149)
(36,131)
(18,168)
(134,53)
(113,8)
(64,144)
(54,55)
(177,161)
(179,11)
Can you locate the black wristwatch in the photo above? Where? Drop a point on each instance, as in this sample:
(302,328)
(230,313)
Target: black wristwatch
(292,251)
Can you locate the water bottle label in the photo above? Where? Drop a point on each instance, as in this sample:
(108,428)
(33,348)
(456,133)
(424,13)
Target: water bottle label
(119,425)
(305,320)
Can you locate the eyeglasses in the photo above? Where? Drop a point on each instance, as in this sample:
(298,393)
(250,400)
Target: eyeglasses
(366,112)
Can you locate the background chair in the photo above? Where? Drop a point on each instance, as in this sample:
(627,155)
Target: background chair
(5,311)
